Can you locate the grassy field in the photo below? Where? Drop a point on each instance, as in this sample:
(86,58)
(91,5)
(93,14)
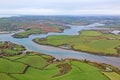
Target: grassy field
(8,66)
(35,67)
(34,61)
(4,76)
(87,41)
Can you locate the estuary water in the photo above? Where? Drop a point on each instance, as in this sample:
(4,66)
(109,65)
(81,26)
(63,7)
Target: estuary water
(58,52)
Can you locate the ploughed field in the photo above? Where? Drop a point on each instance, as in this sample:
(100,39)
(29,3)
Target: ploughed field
(87,41)
(36,66)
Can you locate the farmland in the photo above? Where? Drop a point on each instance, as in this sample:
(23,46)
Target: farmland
(34,66)
(87,41)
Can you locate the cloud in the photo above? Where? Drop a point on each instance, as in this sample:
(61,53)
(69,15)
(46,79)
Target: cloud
(60,7)
(26,11)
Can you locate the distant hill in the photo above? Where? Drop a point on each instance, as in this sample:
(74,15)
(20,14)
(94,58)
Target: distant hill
(15,23)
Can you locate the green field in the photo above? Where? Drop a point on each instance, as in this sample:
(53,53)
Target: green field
(34,61)
(4,76)
(35,67)
(88,41)
(8,66)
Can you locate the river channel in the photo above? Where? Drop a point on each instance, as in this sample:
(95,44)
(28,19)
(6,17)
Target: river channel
(58,52)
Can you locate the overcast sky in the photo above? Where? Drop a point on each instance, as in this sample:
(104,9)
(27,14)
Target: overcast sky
(60,7)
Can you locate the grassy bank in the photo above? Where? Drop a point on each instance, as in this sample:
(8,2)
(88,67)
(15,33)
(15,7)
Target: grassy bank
(87,41)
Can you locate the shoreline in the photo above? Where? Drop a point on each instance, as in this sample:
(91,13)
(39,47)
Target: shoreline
(87,52)
(94,53)
(27,36)
(101,66)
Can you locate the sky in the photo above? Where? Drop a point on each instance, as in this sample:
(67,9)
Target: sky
(60,7)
